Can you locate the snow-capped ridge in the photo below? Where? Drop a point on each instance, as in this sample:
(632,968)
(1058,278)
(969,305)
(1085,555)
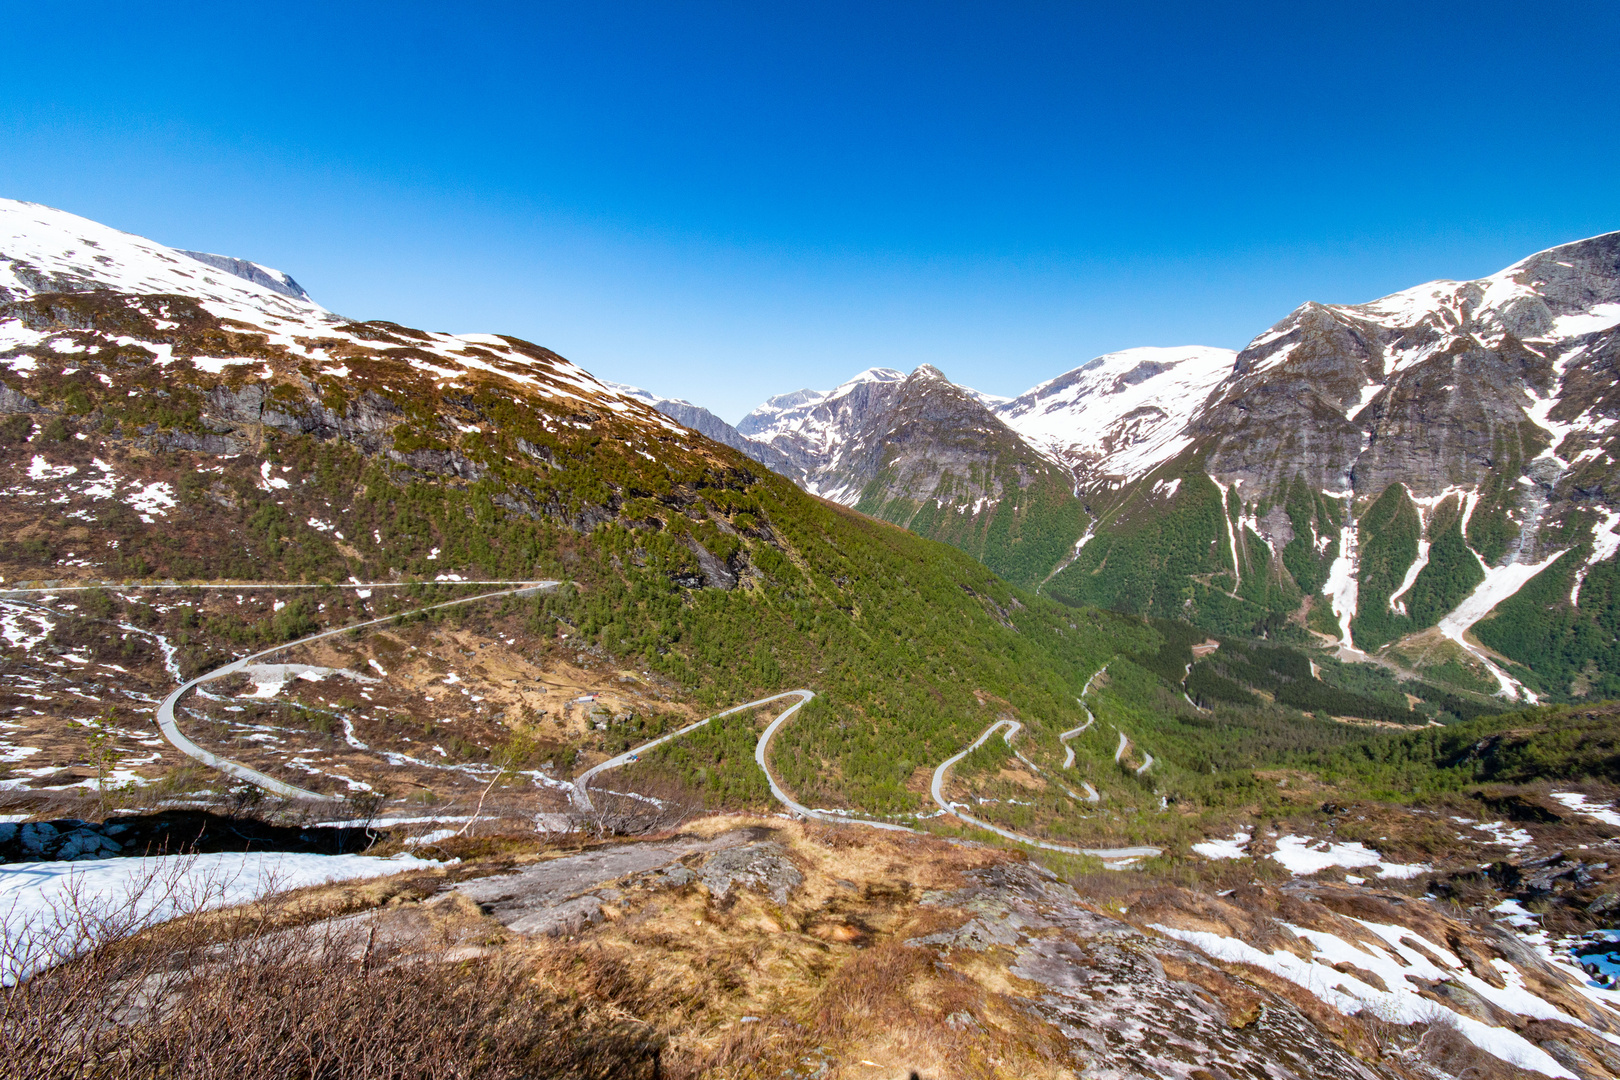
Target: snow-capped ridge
(1121,414)
(47,250)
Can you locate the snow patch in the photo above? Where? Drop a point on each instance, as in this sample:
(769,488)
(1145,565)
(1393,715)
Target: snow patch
(1605,542)
(1303,856)
(1342,586)
(1581,804)
(1235,848)
(1401,1003)
(1501,583)
(39,896)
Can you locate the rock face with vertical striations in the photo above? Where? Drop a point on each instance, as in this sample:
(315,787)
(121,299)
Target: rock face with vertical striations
(922,452)
(1238,490)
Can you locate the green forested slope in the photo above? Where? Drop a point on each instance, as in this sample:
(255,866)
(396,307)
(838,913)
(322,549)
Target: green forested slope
(687,559)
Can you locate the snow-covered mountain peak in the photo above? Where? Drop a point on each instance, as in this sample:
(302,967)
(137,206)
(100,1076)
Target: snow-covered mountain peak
(47,250)
(771,409)
(871,375)
(1120,414)
(644,396)
(800,410)
(1553,302)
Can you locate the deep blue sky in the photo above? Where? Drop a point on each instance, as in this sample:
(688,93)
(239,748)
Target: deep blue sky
(725,201)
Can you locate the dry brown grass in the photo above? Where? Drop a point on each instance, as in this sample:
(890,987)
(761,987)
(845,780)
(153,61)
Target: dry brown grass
(753,988)
(235,994)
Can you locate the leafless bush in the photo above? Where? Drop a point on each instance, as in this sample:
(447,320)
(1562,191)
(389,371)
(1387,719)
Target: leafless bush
(657,804)
(1443,1046)
(243,995)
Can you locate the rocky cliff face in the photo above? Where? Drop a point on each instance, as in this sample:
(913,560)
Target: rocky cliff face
(1476,416)
(828,436)
(927,454)
(1431,472)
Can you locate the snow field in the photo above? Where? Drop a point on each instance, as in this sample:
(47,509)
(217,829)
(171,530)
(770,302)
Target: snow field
(48,909)
(1124,411)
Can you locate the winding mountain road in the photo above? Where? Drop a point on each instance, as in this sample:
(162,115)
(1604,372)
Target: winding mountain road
(581,795)
(1063,739)
(171,727)
(937,790)
(1091,718)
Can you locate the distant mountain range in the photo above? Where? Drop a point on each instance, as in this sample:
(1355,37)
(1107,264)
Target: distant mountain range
(1431,473)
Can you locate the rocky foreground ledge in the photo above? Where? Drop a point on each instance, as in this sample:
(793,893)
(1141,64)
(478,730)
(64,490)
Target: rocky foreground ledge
(765,947)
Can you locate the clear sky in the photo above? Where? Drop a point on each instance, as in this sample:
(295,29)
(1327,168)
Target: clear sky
(723,201)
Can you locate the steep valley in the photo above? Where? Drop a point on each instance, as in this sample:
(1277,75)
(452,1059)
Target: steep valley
(1225,672)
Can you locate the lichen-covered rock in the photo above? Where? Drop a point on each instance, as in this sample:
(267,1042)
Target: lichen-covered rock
(759,867)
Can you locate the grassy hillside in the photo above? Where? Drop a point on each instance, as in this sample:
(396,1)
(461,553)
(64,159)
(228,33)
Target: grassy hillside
(690,561)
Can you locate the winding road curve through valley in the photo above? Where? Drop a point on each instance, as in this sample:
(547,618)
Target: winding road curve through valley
(171,727)
(1063,739)
(937,790)
(581,795)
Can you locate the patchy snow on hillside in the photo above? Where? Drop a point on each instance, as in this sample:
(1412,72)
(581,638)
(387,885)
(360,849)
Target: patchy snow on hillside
(1303,856)
(1392,961)
(48,250)
(1235,848)
(1582,804)
(78,253)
